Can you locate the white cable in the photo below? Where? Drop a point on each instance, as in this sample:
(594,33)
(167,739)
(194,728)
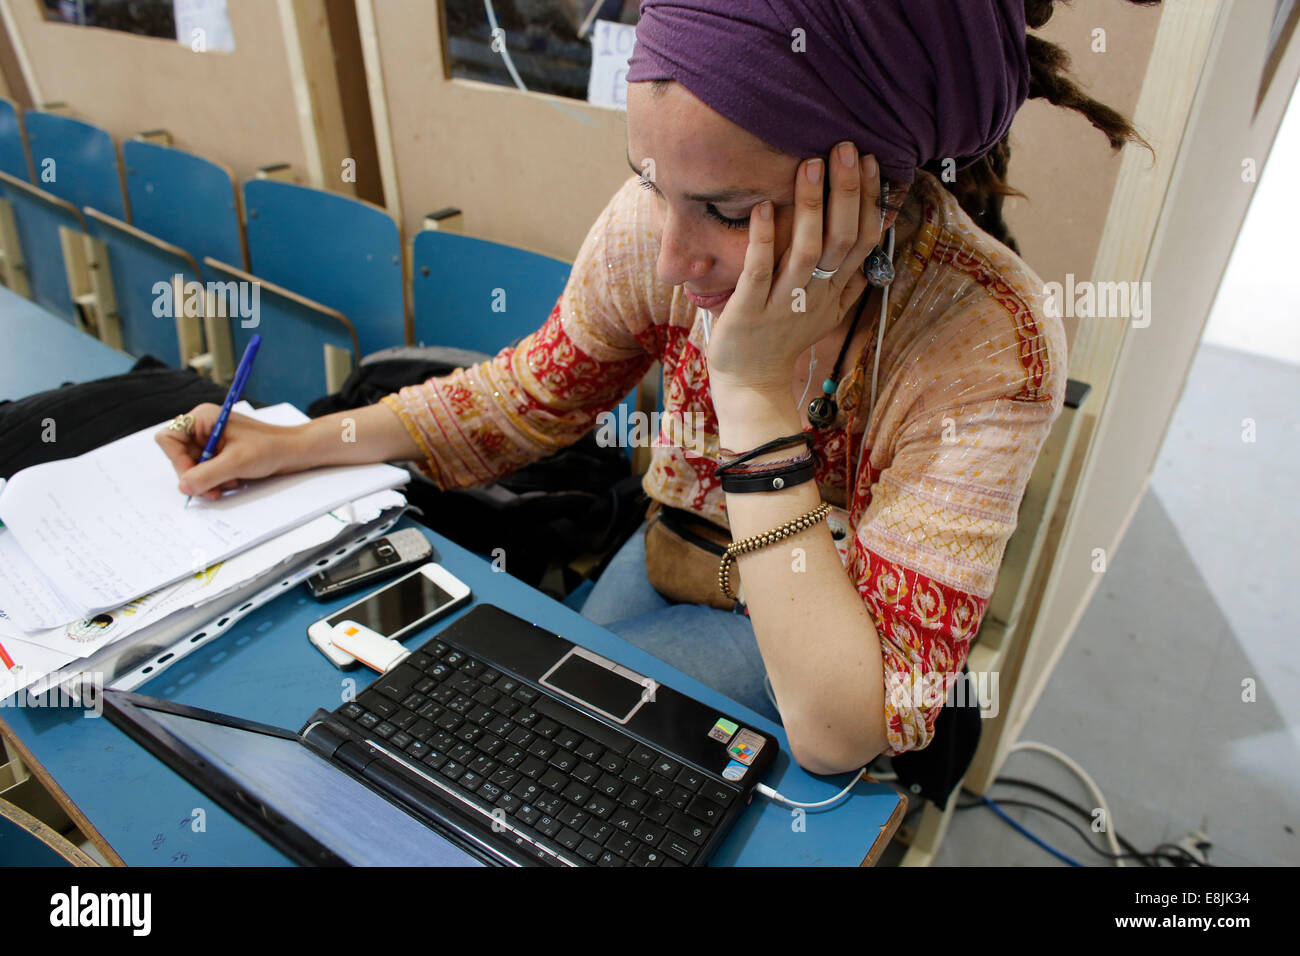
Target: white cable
(775,797)
(1088,782)
(505,51)
(586,21)
(880,336)
(812,366)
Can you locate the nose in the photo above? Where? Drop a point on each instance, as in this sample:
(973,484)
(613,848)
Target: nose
(683,257)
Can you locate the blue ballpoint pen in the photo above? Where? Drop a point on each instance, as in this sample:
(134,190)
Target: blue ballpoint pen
(236,390)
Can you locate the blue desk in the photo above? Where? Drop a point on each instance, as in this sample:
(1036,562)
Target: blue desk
(40,351)
(264,669)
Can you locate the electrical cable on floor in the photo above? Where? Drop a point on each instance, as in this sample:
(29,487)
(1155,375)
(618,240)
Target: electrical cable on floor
(1066,801)
(1088,782)
(1183,860)
(1025,832)
(1191,860)
(1113,837)
(1080,810)
(1084,814)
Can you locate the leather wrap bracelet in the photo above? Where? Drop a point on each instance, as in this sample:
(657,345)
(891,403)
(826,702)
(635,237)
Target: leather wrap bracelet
(757,541)
(768,476)
(771,480)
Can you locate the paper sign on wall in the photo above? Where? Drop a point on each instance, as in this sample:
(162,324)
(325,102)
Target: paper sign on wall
(611,48)
(204,26)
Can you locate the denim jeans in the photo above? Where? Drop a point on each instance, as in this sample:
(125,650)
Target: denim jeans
(715,647)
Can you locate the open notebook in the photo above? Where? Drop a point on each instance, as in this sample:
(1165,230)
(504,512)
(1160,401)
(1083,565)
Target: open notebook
(96,532)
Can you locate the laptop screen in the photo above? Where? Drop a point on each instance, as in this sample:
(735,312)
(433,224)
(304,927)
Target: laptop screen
(338,811)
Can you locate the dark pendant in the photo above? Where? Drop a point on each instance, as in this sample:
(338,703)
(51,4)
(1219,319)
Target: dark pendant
(822,412)
(879,270)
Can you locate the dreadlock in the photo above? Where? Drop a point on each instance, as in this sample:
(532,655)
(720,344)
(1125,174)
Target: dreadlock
(981,187)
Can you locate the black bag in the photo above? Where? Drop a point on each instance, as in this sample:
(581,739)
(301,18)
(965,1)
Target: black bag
(583,499)
(74,419)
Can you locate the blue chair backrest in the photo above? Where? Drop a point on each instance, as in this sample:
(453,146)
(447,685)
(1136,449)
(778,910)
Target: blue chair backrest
(477,294)
(13,154)
(290,365)
(38,216)
(142,268)
(183,199)
(340,252)
(75,161)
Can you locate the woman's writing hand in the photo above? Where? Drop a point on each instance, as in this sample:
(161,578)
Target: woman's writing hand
(248,449)
(770,320)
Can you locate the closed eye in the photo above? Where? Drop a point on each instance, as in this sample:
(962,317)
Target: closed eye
(709,210)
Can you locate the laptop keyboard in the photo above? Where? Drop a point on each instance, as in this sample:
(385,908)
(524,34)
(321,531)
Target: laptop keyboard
(573,787)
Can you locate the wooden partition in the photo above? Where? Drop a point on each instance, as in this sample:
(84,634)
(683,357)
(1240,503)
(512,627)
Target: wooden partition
(275,98)
(1212,105)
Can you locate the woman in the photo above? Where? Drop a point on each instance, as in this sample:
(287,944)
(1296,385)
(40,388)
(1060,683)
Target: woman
(782,148)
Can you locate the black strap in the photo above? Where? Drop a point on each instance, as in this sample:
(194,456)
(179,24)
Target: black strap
(678,521)
(773,480)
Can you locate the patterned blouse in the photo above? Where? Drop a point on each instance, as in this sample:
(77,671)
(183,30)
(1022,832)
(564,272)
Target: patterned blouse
(972,375)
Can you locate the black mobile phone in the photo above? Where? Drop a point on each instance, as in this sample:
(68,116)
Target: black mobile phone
(379,559)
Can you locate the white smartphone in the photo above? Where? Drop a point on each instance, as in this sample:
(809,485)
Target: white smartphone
(395,610)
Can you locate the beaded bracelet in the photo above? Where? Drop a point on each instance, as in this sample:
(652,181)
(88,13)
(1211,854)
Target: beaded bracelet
(754,542)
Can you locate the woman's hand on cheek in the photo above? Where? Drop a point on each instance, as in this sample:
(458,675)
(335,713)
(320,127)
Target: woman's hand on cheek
(778,312)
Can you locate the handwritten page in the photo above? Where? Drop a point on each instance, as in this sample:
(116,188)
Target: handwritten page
(23,586)
(109,526)
(85,636)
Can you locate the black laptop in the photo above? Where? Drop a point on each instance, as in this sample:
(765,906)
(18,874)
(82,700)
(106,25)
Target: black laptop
(495,743)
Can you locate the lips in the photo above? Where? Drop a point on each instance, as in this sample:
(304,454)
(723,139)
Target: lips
(708,301)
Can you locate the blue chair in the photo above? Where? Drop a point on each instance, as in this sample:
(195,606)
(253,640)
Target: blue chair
(460,285)
(185,200)
(294,360)
(13,149)
(151,310)
(38,217)
(344,253)
(75,161)
(458,279)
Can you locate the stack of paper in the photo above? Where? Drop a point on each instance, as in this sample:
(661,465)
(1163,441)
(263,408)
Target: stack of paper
(96,547)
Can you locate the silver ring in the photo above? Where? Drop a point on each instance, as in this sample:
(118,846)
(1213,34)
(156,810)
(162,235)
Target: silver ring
(822,273)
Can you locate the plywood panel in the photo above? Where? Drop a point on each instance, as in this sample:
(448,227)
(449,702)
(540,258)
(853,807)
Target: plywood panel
(531,170)
(1065,167)
(535,170)
(235,108)
(1200,200)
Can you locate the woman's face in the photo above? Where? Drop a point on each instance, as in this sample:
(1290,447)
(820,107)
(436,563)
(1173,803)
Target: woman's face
(704,167)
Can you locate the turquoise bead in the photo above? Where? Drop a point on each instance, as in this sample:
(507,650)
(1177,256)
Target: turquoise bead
(829,386)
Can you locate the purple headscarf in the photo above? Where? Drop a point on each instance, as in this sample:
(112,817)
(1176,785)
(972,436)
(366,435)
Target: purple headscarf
(911,82)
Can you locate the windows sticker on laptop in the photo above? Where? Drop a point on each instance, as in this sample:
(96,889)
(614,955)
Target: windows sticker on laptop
(746,746)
